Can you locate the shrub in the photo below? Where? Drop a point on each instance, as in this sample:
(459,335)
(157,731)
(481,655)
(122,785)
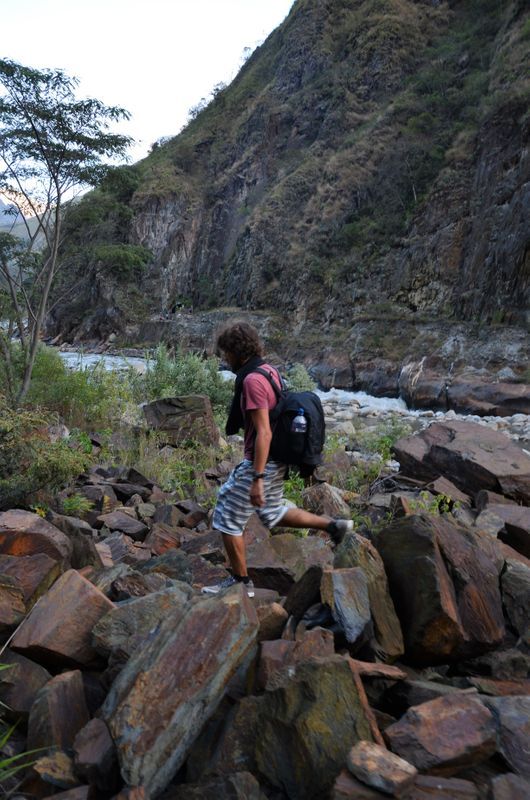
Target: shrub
(29,462)
(382,438)
(299,379)
(76,505)
(123,260)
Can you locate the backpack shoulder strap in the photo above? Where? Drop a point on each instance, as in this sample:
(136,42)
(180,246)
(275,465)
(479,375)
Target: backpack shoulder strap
(272,382)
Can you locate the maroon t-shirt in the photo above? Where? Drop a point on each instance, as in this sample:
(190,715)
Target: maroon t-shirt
(257,393)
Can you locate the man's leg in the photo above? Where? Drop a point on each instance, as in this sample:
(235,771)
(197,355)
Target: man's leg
(236,552)
(298,518)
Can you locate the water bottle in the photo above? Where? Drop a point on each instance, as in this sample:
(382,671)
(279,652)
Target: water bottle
(299,423)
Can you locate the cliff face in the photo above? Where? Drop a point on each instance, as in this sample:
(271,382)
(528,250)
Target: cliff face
(370,160)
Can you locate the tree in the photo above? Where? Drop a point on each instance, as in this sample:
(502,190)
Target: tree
(51,146)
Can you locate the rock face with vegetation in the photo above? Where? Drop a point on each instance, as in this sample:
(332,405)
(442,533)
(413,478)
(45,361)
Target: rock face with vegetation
(365,171)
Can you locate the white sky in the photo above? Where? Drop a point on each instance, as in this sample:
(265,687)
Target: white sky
(155,58)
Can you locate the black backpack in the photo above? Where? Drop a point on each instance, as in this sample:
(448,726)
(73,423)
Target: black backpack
(303,451)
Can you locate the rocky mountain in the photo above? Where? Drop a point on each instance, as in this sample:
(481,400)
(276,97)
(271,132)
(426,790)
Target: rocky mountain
(363,181)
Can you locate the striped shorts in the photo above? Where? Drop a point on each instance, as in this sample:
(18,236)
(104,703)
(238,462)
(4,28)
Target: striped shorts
(233,507)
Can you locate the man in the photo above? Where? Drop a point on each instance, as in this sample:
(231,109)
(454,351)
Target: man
(256,484)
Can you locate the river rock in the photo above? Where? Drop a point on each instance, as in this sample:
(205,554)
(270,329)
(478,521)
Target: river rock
(23,533)
(95,756)
(445,589)
(356,551)
(345,592)
(376,766)
(488,399)
(162,698)
(302,745)
(472,456)
(515,587)
(58,713)
(20,683)
(59,628)
(422,387)
(34,574)
(325,500)
(512,716)
(379,378)
(12,604)
(129,626)
(182,419)
(444,735)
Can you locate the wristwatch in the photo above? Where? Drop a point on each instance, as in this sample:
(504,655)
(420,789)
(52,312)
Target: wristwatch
(257,475)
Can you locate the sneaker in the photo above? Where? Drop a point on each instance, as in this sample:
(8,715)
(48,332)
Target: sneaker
(230,581)
(338,528)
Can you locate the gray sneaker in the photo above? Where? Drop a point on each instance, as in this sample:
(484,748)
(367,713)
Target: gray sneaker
(338,528)
(225,584)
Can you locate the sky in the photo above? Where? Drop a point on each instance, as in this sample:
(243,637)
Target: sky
(156,58)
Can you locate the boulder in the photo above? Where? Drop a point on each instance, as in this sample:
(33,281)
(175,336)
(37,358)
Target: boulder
(346,787)
(173,563)
(58,713)
(304,593)
(79,793)
(34,574)
(472,456)
(345,592)
(167,690)
(428,787)
(58,629)
(84,552)
(19,684)
(280,654)
(272,618)
(119,521)
(516,530)
(515,588)
(281,560)
(118,548)
(57,770)
(209,545)
(12,604)
(404,694)
(512,717)
(488,399)
(445,588)
(444,735)
(124,491)
(128,627)
(325,500)
(182,419)
(379,378)
(374,765)
(163,537)
(422,388)
(95,756)
(135,584)
(23,533)
(356,551)
(307,726)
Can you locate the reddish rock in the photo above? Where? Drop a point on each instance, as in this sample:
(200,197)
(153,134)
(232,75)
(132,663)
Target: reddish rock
(35,574)
(448,489)
(346,787)
(80,533)
(325,499)
(421,387)
(119,521)
(20,683)
(498,688)
(272,618)
(444,735)
(58,713)
(345,591)
(280,561)
(23,533)
(165,693)
(203,573)
(209,545)
(516,531)
(58,629)
(512,717)
(445,588)
(485,498)
(95,756)
(137,585)
(240,786)
(181,419)
(12,604)
(305,592)
(370,669)
(376,766)
(163,537)
(472,456)
(488,399)
(57,770)
(122,549)
(275,656)
(515,588)
(125,491)
(404,694)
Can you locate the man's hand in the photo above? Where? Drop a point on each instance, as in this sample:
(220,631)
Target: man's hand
(257,494)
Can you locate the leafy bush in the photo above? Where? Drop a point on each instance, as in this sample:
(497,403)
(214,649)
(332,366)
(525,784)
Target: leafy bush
(299,379)
(83,398)
(76,505)
(29,462)
(383,437)
(181,374)
(123,260)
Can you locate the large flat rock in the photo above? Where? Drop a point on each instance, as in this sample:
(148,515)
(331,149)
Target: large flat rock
(472,456)
(23,533)
(170,687)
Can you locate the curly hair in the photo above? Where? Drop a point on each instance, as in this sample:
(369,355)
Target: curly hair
(241,340)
